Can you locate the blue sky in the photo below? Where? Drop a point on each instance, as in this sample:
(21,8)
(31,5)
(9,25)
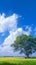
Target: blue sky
(16,17)
(26,8)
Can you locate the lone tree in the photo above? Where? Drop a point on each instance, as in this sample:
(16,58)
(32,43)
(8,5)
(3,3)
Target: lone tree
(25,44)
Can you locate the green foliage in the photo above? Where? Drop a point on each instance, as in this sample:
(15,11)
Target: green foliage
(25,44)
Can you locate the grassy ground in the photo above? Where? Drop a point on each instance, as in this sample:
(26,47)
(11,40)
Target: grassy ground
(17,61)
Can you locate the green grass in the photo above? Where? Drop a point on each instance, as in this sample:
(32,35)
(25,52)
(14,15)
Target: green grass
(17,61)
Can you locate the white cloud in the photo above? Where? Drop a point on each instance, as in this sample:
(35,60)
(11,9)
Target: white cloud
(35,31)
(10,24)
(8,51)
(28,28)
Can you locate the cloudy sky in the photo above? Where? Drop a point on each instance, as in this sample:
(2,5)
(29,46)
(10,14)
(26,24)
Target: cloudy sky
(16,17)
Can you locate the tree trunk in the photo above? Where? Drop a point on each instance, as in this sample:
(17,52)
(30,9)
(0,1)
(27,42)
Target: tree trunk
(27,55)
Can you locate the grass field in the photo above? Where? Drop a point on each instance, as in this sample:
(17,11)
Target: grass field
(17,61)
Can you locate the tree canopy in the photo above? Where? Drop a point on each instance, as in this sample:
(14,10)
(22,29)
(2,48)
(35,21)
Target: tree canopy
(25,44)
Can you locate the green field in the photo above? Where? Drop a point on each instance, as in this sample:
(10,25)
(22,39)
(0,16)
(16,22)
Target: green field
(17,61)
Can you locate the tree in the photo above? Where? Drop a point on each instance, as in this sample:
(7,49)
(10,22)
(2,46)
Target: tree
(25,44)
